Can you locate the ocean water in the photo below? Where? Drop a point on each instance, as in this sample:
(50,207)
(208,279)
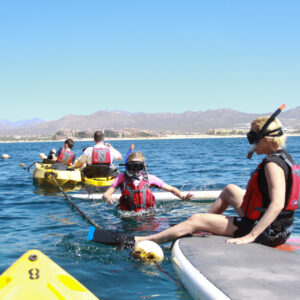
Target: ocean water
(34,218)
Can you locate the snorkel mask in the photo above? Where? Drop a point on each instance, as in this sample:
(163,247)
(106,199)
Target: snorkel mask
(133,169)
(254,137)
(134,166)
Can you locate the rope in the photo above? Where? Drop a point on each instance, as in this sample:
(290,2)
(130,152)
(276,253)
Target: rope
(73,204)
(160,268)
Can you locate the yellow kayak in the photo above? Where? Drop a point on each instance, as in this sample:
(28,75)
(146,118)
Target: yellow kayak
(43,174)
(100,181)
(34,276)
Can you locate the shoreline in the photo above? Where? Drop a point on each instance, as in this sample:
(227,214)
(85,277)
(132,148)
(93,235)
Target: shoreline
(168,137)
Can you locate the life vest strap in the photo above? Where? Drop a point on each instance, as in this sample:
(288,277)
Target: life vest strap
(263,210)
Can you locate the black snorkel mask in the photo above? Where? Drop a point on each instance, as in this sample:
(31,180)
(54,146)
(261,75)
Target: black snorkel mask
(254,137)
(133,167)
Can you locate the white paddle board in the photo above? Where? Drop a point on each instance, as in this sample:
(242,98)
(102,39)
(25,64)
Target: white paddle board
(159,196)
(211,269)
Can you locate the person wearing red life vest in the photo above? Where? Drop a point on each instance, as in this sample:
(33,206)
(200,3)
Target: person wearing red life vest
(99,158)
(266,210)
(135,184)
(64,155)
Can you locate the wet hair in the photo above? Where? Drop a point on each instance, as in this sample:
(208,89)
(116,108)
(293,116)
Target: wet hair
(98,136)
(258,124)
(70,143)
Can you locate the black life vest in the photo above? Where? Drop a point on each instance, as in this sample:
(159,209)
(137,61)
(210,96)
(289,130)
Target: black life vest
(253,203)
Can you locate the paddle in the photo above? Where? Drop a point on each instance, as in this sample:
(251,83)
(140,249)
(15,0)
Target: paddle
(27,168)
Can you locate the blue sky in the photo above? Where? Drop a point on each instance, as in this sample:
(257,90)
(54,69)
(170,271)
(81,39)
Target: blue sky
(78,57)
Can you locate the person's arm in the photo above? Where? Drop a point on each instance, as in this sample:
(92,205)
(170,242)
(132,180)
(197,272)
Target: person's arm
(107,195)
(176,192)
(116,154)
(82,159)
(78,163)
(276,185)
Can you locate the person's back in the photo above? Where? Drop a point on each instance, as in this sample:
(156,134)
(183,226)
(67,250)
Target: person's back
(99,158)
(64,155)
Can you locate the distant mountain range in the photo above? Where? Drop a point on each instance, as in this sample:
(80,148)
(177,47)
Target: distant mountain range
(198,122)
(7,125)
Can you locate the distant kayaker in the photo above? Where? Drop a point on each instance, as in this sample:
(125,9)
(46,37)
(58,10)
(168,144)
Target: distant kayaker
(135,184)
(64,155)
(97,160)
(265,211)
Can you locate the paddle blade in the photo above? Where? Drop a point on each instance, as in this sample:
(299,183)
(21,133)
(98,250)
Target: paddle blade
(109,237)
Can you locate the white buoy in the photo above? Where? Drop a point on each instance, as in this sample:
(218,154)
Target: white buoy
(148,251)
(5,156)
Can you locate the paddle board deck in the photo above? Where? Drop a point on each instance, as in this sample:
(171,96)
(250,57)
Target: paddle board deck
(159,196)
(211,269)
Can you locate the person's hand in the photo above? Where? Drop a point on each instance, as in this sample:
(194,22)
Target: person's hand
(109,200)
(108,145)
(187,196)
(249,238)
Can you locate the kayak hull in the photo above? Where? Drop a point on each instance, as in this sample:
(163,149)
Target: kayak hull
(43,173)
(101,181)
(35,276)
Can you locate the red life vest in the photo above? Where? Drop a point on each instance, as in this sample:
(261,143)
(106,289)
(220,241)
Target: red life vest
(253,203)
(101,156)
(65,157)
(136,198)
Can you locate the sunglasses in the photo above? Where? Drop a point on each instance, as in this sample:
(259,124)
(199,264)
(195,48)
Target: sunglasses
(135,166)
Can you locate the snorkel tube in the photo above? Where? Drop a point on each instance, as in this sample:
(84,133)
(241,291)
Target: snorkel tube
(129,151)
(261,134)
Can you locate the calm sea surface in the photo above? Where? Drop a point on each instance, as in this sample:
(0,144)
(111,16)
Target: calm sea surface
(32,218)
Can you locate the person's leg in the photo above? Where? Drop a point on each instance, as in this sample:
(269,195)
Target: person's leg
(214,223)
(231,195)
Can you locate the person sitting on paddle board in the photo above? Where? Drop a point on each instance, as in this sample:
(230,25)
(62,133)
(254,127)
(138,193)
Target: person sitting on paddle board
(135,184)
(99,158)
(64,155)
(265,211)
